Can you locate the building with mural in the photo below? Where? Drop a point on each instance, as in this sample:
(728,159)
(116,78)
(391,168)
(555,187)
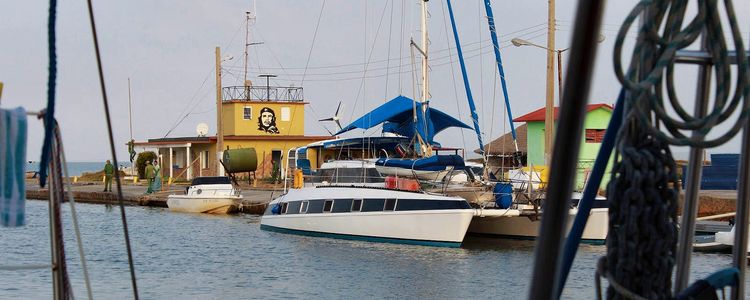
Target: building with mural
(269,119)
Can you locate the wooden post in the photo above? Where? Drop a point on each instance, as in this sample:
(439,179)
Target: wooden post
(219,133)
(549,116)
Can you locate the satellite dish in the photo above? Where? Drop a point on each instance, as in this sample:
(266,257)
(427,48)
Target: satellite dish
(201,129)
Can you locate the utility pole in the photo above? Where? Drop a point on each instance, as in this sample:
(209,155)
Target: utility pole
(219,132)
(549,116)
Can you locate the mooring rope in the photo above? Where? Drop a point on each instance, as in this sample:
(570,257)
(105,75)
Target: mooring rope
(112,149)
(644,189)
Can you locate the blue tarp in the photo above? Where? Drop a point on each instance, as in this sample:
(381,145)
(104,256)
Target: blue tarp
(397,116)
(432,163)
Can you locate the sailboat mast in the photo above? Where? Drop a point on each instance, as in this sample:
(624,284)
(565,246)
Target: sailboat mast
(425,67)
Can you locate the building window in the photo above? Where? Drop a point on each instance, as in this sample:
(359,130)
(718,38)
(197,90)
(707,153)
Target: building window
(204,159)
(594,135)
(285,114)
(247,113)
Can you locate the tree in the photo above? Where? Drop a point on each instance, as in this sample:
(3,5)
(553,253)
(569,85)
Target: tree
(140,162)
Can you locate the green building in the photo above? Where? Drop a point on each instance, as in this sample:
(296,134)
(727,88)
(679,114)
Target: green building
(597,119)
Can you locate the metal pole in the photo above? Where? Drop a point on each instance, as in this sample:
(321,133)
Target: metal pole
(559,74)
(693,179)
(549,111)
(739,254)
(547,262)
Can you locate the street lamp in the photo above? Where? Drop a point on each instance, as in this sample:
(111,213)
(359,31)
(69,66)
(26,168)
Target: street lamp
(521,42)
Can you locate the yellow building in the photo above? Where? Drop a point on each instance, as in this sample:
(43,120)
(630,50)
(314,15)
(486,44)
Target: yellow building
(269,119)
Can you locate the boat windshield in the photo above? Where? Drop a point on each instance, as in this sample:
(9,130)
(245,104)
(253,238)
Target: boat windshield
(211,180)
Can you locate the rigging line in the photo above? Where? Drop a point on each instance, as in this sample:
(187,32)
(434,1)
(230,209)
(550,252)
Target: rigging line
(433,66)
(205,79)
(465,45)
(453,78)
(481,71)
(185,112)
(388,65)
(73,213)
(312,44)
(369,57)
(273,55)
(433,57)
(112,149)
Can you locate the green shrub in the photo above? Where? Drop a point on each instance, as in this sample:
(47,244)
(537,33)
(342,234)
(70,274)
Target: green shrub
(140,162)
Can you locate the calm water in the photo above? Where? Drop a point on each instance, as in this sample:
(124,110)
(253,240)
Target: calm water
(219,257)
(78,168)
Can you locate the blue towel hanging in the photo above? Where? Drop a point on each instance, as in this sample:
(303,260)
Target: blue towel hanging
(13,135)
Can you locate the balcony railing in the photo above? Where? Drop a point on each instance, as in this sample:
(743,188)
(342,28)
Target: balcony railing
(262,93)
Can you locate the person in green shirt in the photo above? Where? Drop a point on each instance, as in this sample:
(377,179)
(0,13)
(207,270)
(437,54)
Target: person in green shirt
(109,170)
(150,176)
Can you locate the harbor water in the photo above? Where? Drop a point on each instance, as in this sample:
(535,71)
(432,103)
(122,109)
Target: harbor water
(228,257)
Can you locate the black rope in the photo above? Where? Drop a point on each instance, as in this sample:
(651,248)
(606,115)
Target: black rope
(642,239)
(49,115)
(112,149)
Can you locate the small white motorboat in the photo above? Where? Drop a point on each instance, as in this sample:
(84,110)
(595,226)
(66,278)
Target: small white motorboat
(211,195)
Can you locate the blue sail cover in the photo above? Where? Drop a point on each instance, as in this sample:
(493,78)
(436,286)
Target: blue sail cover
(397,117)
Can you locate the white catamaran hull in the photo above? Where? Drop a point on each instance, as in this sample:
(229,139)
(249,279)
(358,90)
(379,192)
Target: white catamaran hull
(522,227)
(438,227)
(206,204)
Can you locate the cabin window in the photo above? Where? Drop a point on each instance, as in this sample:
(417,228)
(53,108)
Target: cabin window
(373,204)
(342,206)
(247,113)
(594,135)
(327,206)
(390,205)
(285,114)
(357,205)
(284,206)
(303,207)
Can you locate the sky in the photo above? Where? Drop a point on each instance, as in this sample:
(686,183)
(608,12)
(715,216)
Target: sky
(359,55)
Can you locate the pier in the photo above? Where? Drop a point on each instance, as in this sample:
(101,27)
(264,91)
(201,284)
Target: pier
(255,200)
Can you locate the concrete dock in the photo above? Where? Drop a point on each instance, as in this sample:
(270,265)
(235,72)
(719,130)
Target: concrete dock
(255,200)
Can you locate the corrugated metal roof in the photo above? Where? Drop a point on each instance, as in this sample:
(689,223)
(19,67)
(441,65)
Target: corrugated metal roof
(538,115)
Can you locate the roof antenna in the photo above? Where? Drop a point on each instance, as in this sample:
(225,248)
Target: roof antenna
(335,118)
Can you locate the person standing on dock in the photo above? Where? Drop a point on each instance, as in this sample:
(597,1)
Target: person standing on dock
(157,177)
(109,170)
(150,176)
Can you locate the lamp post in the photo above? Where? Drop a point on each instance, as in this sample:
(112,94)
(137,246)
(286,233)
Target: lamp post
(521,42)
(550,106)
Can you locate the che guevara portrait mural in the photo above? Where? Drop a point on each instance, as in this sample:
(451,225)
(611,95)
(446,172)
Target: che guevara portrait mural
(267,121)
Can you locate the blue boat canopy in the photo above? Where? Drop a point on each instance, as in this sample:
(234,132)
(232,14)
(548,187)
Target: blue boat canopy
(397,117)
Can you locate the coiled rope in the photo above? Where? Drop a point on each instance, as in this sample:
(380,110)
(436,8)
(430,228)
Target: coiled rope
(643,191)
